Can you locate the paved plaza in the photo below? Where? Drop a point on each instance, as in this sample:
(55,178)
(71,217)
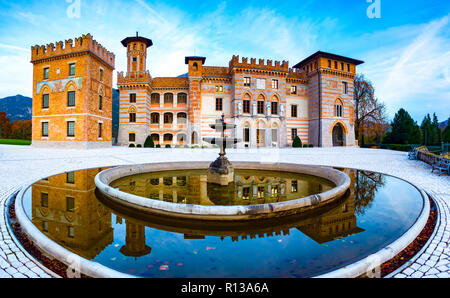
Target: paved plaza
(20,166)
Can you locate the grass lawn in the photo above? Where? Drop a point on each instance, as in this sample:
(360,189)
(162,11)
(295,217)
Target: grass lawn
(15,142)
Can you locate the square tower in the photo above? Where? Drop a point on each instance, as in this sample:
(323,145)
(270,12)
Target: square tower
(72,94)
(330,91)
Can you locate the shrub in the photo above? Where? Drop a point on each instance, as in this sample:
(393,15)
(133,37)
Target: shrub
(149,142)
(305,145)
(400,147)
(297,143)
(139,146)
(311,146)
(158,146)
(168,146)
(132,146)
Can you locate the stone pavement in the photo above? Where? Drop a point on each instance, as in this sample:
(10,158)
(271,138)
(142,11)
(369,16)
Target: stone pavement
(21,165)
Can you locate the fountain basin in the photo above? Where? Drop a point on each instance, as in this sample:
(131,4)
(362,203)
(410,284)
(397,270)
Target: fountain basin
(222,213)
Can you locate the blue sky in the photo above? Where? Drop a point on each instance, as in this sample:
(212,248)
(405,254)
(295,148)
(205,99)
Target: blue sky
(406,51)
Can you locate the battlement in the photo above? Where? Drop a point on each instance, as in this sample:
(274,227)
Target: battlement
(133,77)
(270,65)
(296,73)
(84,43)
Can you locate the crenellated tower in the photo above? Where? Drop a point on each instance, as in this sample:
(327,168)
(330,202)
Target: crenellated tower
(72,94)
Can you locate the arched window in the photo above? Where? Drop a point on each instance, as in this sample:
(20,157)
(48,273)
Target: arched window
(195,66)
(182,99)
(155,138)
(274,105)
(168,138)
(168,118)
(132,114)
(246,104)
(168,99)
(338,108)
(181,118)
(181,139)
(155,99)
(155,118)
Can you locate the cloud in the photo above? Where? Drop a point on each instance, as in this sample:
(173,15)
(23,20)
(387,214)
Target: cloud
(411,68)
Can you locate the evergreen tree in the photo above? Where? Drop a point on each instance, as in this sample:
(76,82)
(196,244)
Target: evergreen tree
(446,133)
(149,142)
(426,130)
(436,134)
(297,143)
(403,128)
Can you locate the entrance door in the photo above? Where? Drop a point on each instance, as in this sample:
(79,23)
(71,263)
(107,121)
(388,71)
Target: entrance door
(338,135)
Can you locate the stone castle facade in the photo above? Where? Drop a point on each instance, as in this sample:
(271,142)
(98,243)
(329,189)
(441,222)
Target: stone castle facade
(269,102)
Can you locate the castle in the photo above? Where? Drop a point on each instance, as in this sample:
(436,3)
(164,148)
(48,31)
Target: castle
(270,102)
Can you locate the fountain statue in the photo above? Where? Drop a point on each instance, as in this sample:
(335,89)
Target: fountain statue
(221,171)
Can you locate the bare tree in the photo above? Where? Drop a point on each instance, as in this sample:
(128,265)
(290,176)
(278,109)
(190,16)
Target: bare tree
(369,112)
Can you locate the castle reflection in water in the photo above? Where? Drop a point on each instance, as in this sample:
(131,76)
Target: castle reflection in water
(66,209)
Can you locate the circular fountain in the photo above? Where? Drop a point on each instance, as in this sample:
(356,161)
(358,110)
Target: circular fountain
(220,180)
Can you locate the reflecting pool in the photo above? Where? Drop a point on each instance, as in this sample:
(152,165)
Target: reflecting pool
(376,211)
(250,187)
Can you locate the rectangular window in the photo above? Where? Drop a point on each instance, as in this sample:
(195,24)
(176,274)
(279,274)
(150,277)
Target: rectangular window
(293,89)
(219,89)
(274,84)
(70,232)
(70,128)
(70,177)
(274,135)
(294,186)
(45,226)
(247,82)
(345,87)
(100,130)
(132,97)
(46,73)
(71,69)
(260,83)
(335,64)
(294,111)
(100,102)
(45,101)
(219,104)
(132,117)
(246,106)
(247,135)
(70,204)
(132,137)
(101,75)
(45,129)
(274,108)
(294,133)
(44,199)
(260,107)
(329,63)
(342,66)
(71,98)
(348,67)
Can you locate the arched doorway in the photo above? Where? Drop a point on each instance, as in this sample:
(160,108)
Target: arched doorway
(194,138)
(338,135)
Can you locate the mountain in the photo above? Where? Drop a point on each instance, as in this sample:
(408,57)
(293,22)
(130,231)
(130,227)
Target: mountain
(443,125)
(16,107)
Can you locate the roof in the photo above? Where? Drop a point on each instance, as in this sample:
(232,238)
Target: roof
(170,82)
(187,59)
(330,56)
(127,40)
